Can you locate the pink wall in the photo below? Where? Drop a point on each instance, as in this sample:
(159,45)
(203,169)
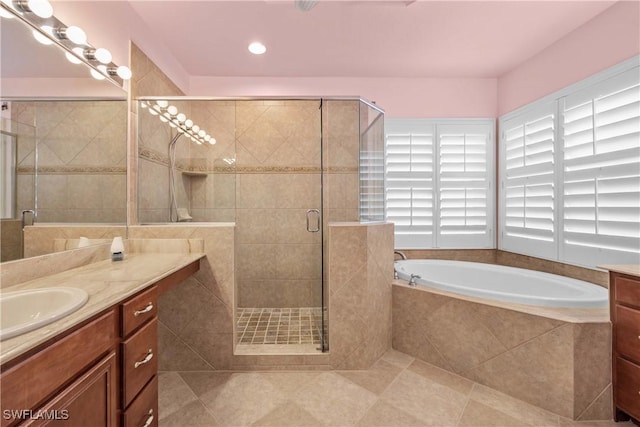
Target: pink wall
(399,97)
(606,40)
(111,24)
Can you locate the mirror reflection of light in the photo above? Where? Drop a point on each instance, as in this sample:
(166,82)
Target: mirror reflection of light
(41,38)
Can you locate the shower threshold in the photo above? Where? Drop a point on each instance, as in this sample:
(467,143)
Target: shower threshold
(278,330)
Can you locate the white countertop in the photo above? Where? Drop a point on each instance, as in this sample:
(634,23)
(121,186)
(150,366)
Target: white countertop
(107,284)
(630,269)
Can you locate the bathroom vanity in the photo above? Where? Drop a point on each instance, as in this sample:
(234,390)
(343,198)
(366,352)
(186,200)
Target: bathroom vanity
(97,366)
(624,297)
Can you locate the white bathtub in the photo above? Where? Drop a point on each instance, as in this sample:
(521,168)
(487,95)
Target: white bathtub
(502,283)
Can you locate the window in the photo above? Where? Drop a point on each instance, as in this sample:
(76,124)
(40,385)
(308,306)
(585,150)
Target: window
(438,182)
(570,173)
(527,208)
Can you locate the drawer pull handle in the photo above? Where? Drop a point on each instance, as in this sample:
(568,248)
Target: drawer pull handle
(149,419)
(147,309)
(146,359)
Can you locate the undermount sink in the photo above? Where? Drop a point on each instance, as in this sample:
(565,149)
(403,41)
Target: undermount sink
(24,311)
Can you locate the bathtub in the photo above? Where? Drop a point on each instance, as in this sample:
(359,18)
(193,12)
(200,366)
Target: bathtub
(501,283)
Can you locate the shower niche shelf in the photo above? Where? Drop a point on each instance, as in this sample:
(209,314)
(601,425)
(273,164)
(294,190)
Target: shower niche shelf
(195,174)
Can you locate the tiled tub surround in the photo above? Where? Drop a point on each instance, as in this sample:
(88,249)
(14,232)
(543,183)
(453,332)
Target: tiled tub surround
(557,359)
(10,239)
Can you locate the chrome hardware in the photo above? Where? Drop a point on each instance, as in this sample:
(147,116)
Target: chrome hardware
(147,309)
(149,419)
(400,254)
(147,358)
(309,212)
(412,280)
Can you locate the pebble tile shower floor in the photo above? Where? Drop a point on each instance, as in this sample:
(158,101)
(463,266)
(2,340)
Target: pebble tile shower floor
(397,391)
(278,325)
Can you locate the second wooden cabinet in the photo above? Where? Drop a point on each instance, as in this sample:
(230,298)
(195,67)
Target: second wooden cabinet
(139,361)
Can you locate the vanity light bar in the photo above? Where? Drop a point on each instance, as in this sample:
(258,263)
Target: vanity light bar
(169,114)
(38,14)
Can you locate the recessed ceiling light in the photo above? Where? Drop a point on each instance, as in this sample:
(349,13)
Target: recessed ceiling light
(257,48)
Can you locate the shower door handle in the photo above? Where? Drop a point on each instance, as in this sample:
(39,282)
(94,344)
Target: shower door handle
(310,212)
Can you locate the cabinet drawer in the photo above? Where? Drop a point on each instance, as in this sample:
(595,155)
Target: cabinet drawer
(139,361)
(628,387)
(143,411)
(627,291)
(138,310)
(628,332)
(29,383)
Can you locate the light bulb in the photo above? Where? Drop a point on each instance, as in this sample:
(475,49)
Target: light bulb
(181,117)
(103,69)
(163,119)
(41,38)
(207,138)
(124,72)
(96,75)
(157,108)
(102,55)
(188,123)
(72,58)
(195,128)
(144,104)
(173,125)
(257,48)
(202,133)
(73,33)
(42,8)
(162,103)
(212,141)
(172,109)
(153,111)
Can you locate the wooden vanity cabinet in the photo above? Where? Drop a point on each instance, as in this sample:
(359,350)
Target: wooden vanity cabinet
(624,292)
(102,372)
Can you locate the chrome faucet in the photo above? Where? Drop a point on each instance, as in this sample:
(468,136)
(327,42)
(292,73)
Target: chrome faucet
(401,254)
(412,280)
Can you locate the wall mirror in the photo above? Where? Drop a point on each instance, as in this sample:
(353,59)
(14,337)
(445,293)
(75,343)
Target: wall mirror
(64,144)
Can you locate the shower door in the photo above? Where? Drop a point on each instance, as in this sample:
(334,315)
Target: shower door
(279,224)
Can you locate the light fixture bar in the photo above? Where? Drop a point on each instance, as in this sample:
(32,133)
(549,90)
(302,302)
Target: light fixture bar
(169,114)
(60,36)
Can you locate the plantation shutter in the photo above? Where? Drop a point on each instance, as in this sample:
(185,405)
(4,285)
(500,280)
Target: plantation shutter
(410,182)
(601,173)
(465,173)
(528,183)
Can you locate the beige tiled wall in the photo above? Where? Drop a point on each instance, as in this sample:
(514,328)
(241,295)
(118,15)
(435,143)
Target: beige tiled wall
(360,276)
(149,156)
(560,366)
(196,317)
(10,239)
(40,240)
(81,149)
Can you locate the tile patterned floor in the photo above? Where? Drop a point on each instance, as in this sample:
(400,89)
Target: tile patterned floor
(278,325)
(397,391)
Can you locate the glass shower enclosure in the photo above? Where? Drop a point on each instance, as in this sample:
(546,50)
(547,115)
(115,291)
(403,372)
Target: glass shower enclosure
(281,170)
